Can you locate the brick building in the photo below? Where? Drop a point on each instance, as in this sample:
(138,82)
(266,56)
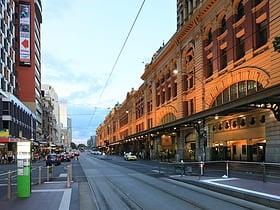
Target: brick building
(211,92)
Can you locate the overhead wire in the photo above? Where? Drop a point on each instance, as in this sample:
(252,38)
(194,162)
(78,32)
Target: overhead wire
(117,59)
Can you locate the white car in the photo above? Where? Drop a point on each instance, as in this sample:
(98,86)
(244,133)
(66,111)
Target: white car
(129,156)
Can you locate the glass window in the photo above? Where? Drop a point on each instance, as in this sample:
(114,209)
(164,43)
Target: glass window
(240,11)
(226,95)
(242,89)
(240,47)
(209,37)
(233,92)
(251,86)
(261,34)
(223,25)
(209,67)
(223,58)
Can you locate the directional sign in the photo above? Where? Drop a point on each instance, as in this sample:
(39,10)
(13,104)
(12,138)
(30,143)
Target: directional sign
(25,43)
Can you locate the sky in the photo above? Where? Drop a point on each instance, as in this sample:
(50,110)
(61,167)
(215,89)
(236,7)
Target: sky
(94,52)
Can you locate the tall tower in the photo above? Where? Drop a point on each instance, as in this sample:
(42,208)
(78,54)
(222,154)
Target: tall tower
(28,57)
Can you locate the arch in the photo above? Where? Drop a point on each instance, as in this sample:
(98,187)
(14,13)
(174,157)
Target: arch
(222,19)
(232,77)
(169,117)
(166,114)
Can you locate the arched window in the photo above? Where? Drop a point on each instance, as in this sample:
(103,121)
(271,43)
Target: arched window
(236,91)
(223,25)
(240,10)
(209,37)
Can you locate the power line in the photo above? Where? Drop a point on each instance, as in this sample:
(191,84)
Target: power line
(117,59)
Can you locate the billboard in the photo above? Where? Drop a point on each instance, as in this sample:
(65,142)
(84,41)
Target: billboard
(24,34)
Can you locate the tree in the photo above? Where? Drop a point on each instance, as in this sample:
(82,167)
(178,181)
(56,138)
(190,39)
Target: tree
(73,145)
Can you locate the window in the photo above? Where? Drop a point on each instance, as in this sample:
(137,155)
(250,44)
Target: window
(257,2)
(261,34)
(226,95)
(242,89)
(252,86)
(233,92)
(209,37)
(223,58)
(240,47)
(223,25)
(174,92)
(209,67)
(236,91)
(243,149)
(240,11)
(185,108)
(192,106)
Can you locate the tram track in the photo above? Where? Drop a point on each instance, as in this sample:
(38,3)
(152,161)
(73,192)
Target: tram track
(174,190)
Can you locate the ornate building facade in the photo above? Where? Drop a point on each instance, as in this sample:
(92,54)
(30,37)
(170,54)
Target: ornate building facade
(210,93)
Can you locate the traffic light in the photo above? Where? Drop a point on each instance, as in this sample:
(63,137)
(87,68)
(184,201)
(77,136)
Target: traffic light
(276,44)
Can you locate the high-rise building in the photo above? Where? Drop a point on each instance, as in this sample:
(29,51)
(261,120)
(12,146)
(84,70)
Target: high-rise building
(17,120)
(28,18)
(50,116)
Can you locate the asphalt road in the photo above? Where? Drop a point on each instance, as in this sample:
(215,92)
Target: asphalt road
(119,184)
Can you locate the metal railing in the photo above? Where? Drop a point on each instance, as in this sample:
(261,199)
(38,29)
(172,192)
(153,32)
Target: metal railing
(266,172)
(45,174)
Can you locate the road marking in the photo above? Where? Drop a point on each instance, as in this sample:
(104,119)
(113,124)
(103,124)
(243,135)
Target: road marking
(66,198)
(212,181)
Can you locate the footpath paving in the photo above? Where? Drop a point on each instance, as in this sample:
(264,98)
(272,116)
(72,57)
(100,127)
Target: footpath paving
(264,193)
(56,195)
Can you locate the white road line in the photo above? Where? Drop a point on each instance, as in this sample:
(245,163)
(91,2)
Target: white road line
(241,189)
(66,198)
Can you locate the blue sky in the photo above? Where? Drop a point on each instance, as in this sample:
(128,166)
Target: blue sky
(81,41)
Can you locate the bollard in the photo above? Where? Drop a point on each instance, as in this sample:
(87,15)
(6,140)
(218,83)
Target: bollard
(182,167)
(48,173)
(264,172)
(40,175)
(71,173)
(201,169)
(227,168)
(9,191)
(68,177)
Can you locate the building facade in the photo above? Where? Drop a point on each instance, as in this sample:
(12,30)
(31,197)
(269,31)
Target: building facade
(50,116)
(211,92)
(28,19)
(17,120)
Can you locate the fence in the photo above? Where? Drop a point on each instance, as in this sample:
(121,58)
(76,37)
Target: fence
(249,170)
(45,174)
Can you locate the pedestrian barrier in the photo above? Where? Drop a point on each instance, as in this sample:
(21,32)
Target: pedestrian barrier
(251,170)
(44,174)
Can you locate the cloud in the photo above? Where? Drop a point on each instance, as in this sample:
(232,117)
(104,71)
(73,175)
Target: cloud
(80,46)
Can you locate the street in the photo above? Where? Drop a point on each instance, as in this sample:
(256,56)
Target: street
(116,185)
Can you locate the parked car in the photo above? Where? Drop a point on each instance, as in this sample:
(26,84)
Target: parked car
(65,157)
(96,152)
(53,159)
(130,156)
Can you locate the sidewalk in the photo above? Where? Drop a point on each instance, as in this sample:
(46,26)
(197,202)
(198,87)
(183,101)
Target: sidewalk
(265,193)
(49,195)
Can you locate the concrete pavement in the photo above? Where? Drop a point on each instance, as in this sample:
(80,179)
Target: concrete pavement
(264,193)
(56,195)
